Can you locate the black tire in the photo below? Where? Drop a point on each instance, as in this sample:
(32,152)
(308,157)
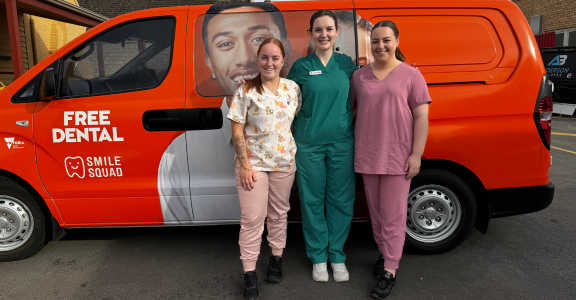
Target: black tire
(11,192)
(467,201)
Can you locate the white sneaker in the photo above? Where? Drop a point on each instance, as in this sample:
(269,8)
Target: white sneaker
(340,272)
(320,272)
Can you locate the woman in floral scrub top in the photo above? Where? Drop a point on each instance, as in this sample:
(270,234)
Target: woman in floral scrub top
(262,112)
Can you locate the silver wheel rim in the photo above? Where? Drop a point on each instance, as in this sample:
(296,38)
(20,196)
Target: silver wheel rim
(434,213)
(16,223)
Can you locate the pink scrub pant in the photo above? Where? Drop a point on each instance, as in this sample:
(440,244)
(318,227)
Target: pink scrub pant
(268,200)
(387,197)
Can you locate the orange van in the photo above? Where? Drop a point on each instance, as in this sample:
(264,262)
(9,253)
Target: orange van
(124,125)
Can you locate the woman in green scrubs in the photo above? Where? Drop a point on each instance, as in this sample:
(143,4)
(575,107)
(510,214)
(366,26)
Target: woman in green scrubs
(325,141)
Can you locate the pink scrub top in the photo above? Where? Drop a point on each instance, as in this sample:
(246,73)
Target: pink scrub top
(384,129)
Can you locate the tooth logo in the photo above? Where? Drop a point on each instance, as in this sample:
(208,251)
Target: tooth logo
(9,141)
(75,166)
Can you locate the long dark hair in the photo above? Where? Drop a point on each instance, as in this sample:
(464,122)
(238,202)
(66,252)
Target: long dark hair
(256,82)
(391,25)
(322,13)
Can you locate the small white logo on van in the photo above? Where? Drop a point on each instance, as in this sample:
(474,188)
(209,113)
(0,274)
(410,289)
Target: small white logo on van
(13,143)
(75,166)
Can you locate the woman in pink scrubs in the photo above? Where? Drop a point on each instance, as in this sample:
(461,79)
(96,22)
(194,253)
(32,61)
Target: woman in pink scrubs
(390,101)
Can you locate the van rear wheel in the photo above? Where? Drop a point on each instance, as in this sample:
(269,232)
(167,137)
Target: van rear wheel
(22,223)
(441,212)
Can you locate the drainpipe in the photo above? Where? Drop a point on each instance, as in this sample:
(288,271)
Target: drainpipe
(14,32)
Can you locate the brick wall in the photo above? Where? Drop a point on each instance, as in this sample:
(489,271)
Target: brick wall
(113,9)
(558,14)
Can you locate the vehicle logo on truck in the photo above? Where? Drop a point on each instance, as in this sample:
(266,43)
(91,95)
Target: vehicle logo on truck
(75,166)
(12,143)
(559,60)
(95,166)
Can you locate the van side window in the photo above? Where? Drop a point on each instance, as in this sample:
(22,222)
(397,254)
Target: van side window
(28,93)
(130,57)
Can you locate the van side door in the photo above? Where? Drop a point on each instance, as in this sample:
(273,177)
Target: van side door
(119,104)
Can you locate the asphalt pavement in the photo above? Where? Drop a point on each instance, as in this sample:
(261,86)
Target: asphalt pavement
(522,257)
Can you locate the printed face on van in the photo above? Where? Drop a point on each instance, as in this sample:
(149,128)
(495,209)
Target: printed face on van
(384,44)
(324,32)
(233,44)
(345,42)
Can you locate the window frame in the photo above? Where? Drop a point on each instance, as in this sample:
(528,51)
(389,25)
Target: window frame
(566,33)
(60,75)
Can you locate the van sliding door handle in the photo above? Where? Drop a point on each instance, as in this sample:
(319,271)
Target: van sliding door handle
(190,119)
(164,120)
(203,119)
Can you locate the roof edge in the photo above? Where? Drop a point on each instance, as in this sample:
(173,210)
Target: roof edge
(77,9)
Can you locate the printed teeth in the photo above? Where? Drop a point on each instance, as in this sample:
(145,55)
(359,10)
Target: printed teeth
(246,77)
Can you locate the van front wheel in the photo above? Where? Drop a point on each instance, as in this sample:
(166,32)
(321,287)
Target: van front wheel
(441,212)
(22,223)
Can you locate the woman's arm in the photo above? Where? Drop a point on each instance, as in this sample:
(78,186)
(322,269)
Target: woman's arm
(247,175)
(420,114)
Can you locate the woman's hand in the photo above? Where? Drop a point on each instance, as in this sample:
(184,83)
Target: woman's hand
(247,178)
(413,166)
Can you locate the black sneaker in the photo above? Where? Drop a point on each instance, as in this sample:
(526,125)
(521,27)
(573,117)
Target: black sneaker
(251,291)
(274,269)
(379,267)
(384,286)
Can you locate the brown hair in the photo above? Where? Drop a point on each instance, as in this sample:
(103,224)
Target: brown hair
(256,82)
(322,13)
(391,25)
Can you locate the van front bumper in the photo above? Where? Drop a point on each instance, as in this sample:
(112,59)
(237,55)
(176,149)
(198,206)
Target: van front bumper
(522,200)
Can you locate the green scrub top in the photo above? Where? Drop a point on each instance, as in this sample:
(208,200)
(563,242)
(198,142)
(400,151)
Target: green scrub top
(325,116)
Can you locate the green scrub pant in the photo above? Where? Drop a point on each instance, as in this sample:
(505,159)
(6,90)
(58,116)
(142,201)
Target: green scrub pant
(326,182)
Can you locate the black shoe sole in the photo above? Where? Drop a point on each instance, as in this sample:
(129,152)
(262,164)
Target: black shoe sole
(274,280)
(378,297)
(257,298)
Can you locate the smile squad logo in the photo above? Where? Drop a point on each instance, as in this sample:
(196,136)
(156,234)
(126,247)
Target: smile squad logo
(94,166)
(75,166)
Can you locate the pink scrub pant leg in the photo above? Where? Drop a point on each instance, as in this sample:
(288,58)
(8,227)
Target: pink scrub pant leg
(387,197)
(268,200)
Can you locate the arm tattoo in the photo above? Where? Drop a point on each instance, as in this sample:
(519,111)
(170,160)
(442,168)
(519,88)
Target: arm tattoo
(240,148)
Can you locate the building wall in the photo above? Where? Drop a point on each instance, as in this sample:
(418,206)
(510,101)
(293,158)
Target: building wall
(558,14)
(113,9)
(6,67)
(49,35)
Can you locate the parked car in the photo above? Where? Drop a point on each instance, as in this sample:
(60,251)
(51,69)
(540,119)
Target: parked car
(560,65)
(124,125)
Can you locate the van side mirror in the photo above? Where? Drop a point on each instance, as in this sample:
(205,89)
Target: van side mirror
(48,85)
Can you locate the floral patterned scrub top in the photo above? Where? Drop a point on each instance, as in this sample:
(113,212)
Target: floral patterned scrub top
(267,119)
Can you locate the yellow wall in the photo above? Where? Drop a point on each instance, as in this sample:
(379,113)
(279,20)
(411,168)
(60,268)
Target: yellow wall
(49,35)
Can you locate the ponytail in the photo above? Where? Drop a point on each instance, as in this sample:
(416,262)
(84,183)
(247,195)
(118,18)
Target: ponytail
(399,55)
(255,83)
